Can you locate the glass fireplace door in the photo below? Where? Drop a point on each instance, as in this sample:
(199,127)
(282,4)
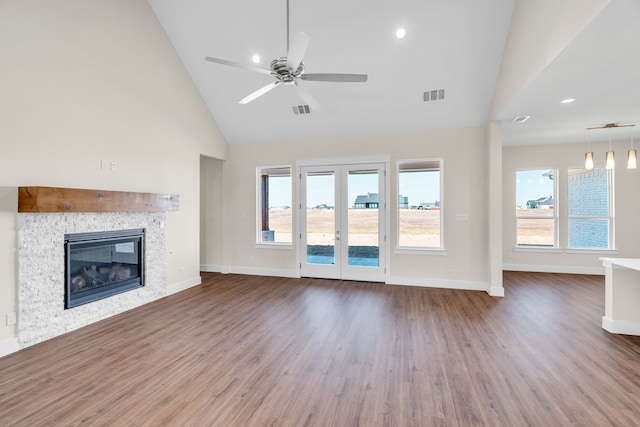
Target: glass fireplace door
(102,264)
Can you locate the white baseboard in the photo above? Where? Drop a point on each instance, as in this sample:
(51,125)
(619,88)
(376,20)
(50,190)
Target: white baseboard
(264,272)
(178,287)
(394,280)
(496,291)
(438,283)
(565,269)
(212,268)
(620,326)
(9,346)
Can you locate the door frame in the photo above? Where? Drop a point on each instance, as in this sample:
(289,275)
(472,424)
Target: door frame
(342,161)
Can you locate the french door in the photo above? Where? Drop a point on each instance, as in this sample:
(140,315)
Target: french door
(342,222)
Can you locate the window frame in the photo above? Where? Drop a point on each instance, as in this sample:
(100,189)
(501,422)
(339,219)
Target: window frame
(414,164)
(610,217)
(277,170)
(554,217)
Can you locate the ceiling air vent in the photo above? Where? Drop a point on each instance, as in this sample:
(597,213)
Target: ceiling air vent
(301,109)
(433,95)
(520,119)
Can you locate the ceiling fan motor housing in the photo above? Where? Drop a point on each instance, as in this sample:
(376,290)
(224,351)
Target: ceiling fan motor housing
(280,70)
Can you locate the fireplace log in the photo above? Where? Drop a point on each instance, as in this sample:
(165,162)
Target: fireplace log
(77,283)
(92,276)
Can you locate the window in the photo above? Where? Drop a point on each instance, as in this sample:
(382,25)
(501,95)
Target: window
(275,222)
(536,207)
(419,204)
(590,208)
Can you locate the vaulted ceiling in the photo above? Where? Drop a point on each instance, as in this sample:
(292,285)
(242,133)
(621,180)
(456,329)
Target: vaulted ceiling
(452,45)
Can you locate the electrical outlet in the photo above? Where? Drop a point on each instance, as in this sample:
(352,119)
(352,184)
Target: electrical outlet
(113,166)
(11,318)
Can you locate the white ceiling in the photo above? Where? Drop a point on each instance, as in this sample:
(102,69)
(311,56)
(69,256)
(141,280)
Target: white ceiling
(455,45)
(601,69)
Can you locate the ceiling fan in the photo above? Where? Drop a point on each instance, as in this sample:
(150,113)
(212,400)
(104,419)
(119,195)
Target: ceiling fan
(289,70)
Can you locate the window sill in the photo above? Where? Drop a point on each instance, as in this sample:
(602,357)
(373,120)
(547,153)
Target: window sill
(593,251)
(420,251)
(554,250)
(286,246)
(541,249)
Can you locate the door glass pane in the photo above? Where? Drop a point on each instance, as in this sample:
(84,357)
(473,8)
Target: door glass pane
(321,218)
(363,218)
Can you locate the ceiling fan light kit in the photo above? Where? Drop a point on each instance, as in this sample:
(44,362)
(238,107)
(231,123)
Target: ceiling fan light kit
(289,70)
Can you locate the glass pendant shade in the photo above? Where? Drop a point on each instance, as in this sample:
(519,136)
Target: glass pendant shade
(632,159)
(588,160)
(611,162)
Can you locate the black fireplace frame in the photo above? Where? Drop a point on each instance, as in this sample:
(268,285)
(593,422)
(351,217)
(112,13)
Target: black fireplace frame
(91,239)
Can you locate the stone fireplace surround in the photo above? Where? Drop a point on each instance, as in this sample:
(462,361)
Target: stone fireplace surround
(41,263)
(41,311)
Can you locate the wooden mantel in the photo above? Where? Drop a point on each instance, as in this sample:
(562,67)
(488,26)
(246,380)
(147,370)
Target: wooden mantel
(53,199)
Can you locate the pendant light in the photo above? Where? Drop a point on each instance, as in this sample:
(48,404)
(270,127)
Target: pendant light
(611,161)
(588,156)
(632,161)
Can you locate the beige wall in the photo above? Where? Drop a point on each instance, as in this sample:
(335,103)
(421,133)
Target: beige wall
(562,157)
(463,151)
(98,80)
(211,216)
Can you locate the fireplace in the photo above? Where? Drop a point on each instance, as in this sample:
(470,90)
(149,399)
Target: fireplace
(101,264)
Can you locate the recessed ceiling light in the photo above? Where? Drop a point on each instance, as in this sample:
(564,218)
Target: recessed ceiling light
(568,100)
(400,33)
(255,59)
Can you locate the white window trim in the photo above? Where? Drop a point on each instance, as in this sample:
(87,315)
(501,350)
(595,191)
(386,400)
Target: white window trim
(537,248)
(410,250)
(273,245)
(592,251)
(259,244)
(611,218)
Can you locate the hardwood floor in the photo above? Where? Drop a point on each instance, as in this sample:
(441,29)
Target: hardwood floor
(265,351)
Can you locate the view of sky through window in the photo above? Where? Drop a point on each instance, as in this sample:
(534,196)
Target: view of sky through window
(532,185)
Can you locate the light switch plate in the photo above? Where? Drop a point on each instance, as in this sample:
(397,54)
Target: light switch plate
(11,318)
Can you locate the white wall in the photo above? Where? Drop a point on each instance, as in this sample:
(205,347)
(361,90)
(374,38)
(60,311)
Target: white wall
(562,157)
(98,80)
(463,151)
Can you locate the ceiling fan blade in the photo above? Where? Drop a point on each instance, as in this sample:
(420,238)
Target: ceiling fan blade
(259,92)
(297,50)
(332,77)
(237,65)
(306,97)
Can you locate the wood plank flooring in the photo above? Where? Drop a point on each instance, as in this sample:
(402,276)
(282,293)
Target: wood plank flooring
(264,351)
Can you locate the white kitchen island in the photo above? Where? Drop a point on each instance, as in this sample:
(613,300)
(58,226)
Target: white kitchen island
(622,295)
